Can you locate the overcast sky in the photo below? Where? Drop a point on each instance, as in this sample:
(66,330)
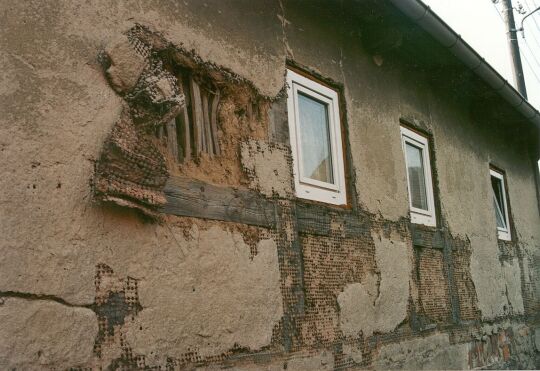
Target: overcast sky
(479,23)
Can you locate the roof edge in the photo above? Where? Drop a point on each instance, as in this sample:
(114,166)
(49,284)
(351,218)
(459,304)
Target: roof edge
(427,19)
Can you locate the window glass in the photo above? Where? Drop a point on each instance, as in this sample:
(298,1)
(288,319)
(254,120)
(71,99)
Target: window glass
(420,185)
(415,167)
(315,139)
(498,201)
(315,136)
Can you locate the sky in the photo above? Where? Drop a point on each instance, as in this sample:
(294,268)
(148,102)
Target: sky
(480,24)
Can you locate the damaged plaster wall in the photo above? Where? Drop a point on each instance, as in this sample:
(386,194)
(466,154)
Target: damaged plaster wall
(375,144)
(217,297)
(379,303)
(58,110)
(268,168)
(433,352)
(464,153)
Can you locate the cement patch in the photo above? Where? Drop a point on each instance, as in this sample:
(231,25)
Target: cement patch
(366,308)
(498,286)
(212,297)
(512,277)
(38,334)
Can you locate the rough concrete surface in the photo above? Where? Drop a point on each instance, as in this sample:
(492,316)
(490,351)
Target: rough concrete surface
(378,304)
(430,353)
(268,168)
(42,334)
(211,299)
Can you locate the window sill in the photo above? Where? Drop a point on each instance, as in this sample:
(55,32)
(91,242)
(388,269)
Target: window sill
(422,219)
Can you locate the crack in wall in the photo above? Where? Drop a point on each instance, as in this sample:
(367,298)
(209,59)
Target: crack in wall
(41,297)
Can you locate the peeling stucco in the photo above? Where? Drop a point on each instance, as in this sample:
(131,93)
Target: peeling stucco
(268,168)
(378,306)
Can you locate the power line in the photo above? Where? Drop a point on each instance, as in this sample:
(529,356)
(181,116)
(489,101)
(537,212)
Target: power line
(530,68)
(530,9)
(531,31)
(498,11)
(532,54)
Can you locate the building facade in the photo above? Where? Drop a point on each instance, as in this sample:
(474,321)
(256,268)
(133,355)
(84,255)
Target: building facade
(262,185)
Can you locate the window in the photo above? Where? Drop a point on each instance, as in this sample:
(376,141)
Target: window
(421,202)
(500,204)
(315,134)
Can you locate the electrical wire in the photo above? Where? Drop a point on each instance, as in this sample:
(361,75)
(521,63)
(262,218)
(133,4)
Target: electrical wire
(498,12)
(532,54)
(530,67)
(529,10)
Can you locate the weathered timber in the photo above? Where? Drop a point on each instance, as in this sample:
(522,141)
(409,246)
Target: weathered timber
(317,220)
(197,115)
(206,120)
(312,219)
(186,197)
(427,237)
(213,123)
(186,134)
(172,144)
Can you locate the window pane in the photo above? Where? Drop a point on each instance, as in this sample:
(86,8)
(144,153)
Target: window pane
(417,182)
(315,139)
(496,185)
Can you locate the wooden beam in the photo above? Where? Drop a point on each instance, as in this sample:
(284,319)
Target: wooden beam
(206,120)
(172,144)
(187,197)
(213,124)
(187,134)
(427,237)
(197,114)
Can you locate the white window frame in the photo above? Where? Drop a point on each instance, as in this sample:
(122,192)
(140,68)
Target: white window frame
(305,187)
(420,216)
(502,233)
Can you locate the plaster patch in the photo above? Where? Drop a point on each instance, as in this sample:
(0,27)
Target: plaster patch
(365,309)
(498,287)
(268,167)
(214,298)
(512,277)
(43,334)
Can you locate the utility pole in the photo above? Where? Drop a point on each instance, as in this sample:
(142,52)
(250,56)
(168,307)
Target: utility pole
(511,33)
